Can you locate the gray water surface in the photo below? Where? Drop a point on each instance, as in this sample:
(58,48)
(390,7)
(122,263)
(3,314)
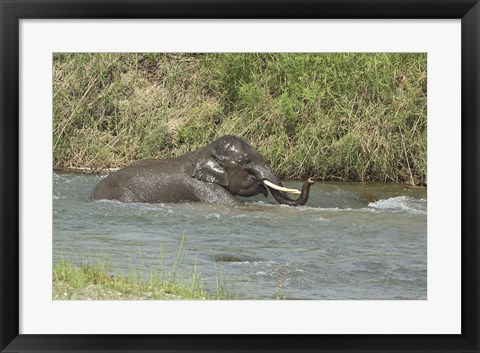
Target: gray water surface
(351,241)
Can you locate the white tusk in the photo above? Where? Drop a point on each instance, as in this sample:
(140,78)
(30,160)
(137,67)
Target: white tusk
(281,188)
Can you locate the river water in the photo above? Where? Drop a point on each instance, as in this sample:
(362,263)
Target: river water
(351,241)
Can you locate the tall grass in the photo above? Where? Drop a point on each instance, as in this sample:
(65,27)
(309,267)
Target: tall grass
(357,117)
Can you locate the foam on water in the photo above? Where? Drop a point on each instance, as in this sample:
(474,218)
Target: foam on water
(401,203)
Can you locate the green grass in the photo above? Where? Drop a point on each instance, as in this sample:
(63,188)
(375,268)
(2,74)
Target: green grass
(94,281)
(355,117)
(97,280)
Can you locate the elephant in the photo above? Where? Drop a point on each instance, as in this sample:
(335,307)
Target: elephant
(217,173)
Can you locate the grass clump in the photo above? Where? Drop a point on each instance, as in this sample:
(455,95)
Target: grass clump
(334,116)
(95,281)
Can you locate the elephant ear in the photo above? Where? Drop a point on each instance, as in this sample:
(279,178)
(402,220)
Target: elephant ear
(209,169)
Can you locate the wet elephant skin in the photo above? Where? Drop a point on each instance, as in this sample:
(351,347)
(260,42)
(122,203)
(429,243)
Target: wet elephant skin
(215,173)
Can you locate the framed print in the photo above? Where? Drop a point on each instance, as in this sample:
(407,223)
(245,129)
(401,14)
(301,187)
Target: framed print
(238,176)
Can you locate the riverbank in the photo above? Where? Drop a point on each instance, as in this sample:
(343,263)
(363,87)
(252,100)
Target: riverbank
(350,117)
(101,171)
(97,282)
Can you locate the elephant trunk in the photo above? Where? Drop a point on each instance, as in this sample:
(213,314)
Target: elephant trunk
(268,177)
(283,199)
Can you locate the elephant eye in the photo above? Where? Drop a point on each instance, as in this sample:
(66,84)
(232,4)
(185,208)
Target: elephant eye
(245,160)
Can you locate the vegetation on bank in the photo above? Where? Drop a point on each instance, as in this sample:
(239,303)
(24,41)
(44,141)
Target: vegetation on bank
(356,117)
(97,282)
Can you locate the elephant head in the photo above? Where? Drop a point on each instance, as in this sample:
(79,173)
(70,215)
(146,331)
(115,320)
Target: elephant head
(232,163)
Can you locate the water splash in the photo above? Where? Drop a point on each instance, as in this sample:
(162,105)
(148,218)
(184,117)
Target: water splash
(401,203)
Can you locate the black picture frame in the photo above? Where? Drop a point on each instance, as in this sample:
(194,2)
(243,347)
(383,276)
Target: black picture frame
(12,11)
